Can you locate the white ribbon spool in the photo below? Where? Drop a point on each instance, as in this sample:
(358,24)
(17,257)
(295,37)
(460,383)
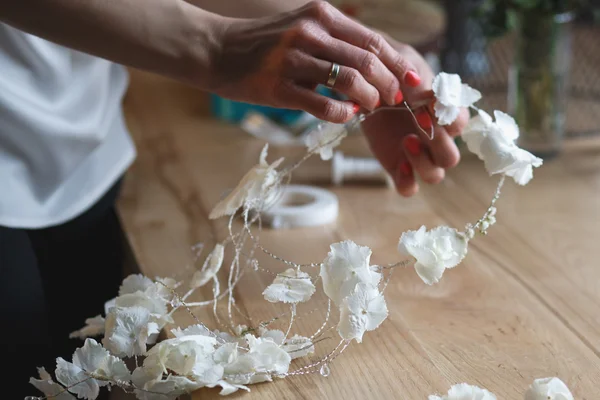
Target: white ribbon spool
(301,206)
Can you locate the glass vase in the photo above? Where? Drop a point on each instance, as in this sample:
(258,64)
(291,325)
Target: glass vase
(538,80)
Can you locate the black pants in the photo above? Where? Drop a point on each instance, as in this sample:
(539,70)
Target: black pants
(51,280)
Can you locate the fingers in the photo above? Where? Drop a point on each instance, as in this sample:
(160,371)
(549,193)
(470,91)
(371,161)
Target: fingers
(419,158)
(366,63)
(404,179)
(442,148)
(461,122)
(350,31)
(297,97)
(305,68)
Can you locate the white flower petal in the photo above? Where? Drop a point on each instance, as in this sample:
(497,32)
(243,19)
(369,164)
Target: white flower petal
(346,265)
(434,251)
(126,331)
(430,274)
(469,96)
(163,288)
(325,138)
(252,190)
(187,355)
(493,142)
(447,88)
(226,354)
(364,310)
(211,267)
(476,130)
(229,388)
(451,95)
(191,330)
(464,391)
(154,304)
(468,392)
(298,346)
(268,356)
(98,362)
(93,327)
(548,389)
(446,115)
(135,282)
(159,390)
(76,380)
(50,388)
(507,125)
(275,335)
(292,286)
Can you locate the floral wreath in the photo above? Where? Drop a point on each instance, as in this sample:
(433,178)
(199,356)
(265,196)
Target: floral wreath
(238,355)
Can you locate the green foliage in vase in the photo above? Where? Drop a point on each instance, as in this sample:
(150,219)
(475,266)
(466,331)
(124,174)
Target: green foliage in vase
(498,16)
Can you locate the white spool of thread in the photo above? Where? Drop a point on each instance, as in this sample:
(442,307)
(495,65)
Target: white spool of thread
(347,168)
(301,206)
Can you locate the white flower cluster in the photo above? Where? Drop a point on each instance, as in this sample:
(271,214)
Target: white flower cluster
(352,284)
(196,357)
(541,389)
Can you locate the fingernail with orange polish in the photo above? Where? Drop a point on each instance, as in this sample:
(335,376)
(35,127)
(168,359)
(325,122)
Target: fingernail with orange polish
(355,108)
(424,120)
(413,145)
(406,168)
(412,79)
(378,103)
(399,97)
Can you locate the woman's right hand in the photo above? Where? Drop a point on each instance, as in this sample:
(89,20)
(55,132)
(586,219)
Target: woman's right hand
(278,61)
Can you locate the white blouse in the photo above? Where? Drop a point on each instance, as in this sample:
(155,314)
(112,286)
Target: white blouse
(63,141)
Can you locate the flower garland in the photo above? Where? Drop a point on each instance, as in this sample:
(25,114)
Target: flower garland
(235,355)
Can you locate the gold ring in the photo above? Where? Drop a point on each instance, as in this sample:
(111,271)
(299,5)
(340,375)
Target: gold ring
(333,74)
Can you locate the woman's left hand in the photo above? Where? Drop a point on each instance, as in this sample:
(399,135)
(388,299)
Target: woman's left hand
(403,150)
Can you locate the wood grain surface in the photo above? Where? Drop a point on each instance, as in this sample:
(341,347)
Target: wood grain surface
(523,305)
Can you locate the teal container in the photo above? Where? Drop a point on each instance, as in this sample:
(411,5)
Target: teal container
(235,111)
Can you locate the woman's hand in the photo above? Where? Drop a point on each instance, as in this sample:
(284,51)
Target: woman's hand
(399,144)
(278,61)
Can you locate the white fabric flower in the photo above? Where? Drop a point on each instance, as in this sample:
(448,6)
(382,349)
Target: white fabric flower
(264,359)
(297,346)
(190,355)
(225,355)
(346,265)
(463,391)
(364,310)
(51,389)
(164,288)
(152,296)
(135,282)
(325,137)
(127,331)
(436,250)
(196,329)
(252,190)
(267,355)
(92,368)
(152,388)
(275,335)
(292,286)
(76,379)
(494,143)
(451,95)
(211,267)
(229,388)
(93,327)
(548,389)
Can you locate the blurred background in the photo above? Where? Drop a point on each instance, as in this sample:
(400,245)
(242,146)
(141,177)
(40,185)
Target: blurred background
(539,60)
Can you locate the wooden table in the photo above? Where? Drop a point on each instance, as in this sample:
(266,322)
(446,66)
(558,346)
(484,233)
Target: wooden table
(524,304)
